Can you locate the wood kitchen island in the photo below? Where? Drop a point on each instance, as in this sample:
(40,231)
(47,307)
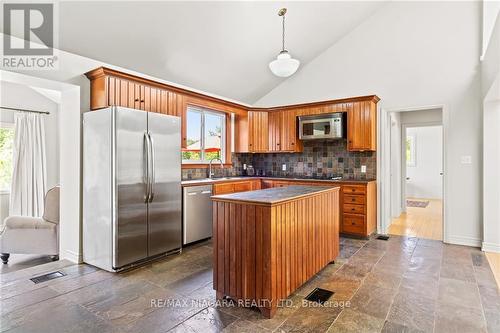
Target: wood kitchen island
(267,243)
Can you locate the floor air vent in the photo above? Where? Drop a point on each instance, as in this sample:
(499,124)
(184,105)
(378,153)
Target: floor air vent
(319,295)
(47,277)
(383,237)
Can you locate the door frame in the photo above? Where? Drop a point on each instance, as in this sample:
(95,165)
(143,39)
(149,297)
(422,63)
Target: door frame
(404,127)
(384,165)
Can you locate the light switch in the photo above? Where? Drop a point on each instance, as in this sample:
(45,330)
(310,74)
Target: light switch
(244,166)
(466,159)
(363,169)
(283,167)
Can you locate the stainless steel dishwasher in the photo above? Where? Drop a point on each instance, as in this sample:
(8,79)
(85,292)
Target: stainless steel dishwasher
(197,213)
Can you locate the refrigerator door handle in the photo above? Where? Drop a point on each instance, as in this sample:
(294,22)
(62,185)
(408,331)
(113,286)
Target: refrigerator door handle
(146,169)
(152,179)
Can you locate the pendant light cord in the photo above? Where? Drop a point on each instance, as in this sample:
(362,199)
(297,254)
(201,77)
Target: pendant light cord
(283,35)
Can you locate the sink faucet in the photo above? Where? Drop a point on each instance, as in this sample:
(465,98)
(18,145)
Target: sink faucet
(210,173)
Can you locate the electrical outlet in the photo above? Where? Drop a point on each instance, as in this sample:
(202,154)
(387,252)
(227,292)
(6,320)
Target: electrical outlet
(283,167)
(363,169)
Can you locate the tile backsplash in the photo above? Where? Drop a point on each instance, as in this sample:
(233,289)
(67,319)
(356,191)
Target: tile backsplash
(319,159)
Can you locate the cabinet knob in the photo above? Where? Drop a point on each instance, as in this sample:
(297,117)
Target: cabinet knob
(142,101)
(352,223)
(292,143)
(278,144)
(353,199)
(136,100)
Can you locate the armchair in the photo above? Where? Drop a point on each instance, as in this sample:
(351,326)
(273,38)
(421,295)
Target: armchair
(33,235)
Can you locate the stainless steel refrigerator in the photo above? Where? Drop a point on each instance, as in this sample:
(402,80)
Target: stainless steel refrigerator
(131,187)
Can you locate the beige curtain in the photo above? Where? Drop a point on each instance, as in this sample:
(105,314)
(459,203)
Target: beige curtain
(29,176)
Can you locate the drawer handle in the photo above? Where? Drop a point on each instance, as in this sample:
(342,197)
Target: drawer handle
(353,209)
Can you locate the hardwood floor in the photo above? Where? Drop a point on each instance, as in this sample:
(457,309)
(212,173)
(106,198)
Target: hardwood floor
(22,261)
(494,260)
(420,222)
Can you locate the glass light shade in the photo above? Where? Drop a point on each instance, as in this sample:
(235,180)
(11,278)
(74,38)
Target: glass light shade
(284,65)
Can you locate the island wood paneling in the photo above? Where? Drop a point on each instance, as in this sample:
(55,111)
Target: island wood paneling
(264,253)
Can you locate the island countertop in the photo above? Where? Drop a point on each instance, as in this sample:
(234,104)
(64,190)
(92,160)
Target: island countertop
(272,196)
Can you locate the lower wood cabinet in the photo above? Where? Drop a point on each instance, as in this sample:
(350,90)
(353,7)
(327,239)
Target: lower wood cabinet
(358,200)
(237,186)
(358,204)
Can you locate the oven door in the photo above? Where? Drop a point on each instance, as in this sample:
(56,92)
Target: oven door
(317,129)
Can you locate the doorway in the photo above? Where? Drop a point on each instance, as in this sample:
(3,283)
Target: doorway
(69,117)
(418,205)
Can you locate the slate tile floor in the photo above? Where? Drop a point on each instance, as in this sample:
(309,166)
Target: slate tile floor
(399,285)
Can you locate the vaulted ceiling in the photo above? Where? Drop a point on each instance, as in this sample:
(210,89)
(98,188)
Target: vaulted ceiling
(220,47)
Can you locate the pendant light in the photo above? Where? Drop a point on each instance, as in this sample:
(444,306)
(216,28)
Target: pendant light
(284,65)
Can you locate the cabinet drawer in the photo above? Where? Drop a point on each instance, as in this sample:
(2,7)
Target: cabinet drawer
(354,189)
(354,199)
(242,186)
(223,188)
(354,224)
(354,209)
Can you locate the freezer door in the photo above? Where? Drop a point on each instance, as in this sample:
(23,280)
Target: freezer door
(131,228)
(165,206)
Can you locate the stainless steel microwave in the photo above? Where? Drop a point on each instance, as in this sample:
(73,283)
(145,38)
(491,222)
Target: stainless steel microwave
(322,126)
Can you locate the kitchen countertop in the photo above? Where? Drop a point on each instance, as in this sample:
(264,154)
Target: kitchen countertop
(207,181)
(272,195)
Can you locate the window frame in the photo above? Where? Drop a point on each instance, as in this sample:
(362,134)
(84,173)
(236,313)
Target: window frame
(203,111)
(7,125)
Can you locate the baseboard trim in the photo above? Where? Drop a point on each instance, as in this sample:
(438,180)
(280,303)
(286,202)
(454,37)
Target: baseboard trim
(461,240)
(72,256)
(491,247)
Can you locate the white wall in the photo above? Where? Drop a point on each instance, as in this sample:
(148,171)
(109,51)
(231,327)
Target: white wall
(491,10)
(425,180)
(21,96)
(491,137)
(413,54)
(490,65)
(396,174)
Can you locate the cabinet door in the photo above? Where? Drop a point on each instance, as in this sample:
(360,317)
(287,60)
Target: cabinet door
(163,101)
(242,186)
(153,104)
(146,98)
(223,188)
(274,131)
(259,131)
(289,140)
(267,184)
(361,127)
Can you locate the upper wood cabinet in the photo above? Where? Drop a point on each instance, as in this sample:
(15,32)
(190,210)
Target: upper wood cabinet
(258,131)
(268,132)
(109,87)
(362,127)
(274,131)
(289,136)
